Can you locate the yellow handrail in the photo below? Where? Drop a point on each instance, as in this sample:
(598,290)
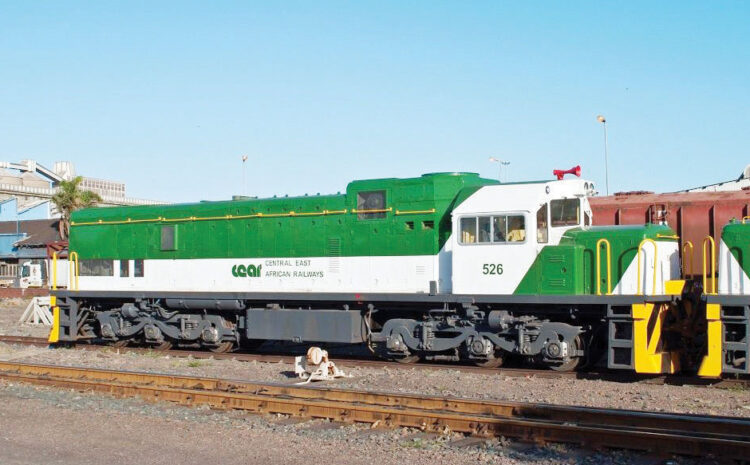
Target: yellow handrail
(707,240)
(414,212)
(225,217)
(656,256)
(54,271)
(73,271)
(685,257)
(373,210)
(599,266)
(668,236)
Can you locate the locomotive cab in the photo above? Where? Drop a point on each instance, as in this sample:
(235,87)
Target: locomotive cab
(500,230)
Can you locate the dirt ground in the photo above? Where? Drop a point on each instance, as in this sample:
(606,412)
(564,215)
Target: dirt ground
(10,311)
(41,425)
(160,433)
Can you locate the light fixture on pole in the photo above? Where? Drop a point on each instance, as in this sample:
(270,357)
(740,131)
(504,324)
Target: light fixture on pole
(244,185)
(500,172)
(603,120)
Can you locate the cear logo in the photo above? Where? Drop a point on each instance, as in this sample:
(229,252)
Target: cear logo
(249,271)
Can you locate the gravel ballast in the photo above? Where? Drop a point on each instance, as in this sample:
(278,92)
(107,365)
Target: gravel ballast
(439,382)
(43,425)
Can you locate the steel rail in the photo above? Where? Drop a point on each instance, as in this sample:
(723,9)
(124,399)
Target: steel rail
(362,362)
(592,427)
(274,357)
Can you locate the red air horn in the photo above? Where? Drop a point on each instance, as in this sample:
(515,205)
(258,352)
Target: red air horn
(561,174)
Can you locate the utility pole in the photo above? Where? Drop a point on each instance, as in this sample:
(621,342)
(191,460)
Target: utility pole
(244,183)
(500,170)
(603,120)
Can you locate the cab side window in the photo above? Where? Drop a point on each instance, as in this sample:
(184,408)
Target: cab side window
(565,212)
(468,230)
(542,229)
(516,228)
(497,229)
(485,229)
(500,229)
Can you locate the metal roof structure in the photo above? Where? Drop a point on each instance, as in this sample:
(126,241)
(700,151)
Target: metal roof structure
(111,192)
(742,182)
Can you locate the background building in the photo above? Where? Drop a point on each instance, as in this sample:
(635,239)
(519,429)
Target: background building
(26,188)
(29,219)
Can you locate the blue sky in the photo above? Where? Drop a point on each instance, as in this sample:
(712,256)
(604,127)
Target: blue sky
(167,96)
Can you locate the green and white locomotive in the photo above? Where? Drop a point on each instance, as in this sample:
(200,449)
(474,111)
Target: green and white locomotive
(445,266)
(728,303)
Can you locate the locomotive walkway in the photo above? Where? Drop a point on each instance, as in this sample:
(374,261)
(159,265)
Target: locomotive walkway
(721,437)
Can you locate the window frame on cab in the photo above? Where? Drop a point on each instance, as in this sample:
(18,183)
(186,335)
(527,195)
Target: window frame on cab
(476,216)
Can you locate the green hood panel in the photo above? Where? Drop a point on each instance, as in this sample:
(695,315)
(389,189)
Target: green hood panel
(417,222)
(736,236)
(570,267)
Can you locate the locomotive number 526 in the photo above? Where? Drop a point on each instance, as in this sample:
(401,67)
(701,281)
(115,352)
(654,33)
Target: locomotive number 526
(491,268)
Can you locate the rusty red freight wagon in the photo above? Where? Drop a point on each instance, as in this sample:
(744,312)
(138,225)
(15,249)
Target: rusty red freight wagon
(694,215)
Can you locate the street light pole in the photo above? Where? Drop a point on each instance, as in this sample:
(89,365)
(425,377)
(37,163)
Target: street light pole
(603,120)
(244,184)
(505,164)
(500,169)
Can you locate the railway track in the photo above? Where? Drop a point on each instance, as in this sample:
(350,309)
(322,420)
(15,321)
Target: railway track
(721,437)
(350,361)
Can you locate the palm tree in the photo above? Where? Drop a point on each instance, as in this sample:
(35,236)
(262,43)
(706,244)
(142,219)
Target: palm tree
(69,198)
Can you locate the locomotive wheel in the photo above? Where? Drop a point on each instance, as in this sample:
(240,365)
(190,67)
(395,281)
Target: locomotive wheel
(407,359)
(496,361)
(571,364)
(222,348)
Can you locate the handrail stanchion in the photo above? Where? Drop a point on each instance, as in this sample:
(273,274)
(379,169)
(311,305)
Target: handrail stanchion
(685,258)
(656,256)
(54,271)
(599,266)
(73,271)
(706,241)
